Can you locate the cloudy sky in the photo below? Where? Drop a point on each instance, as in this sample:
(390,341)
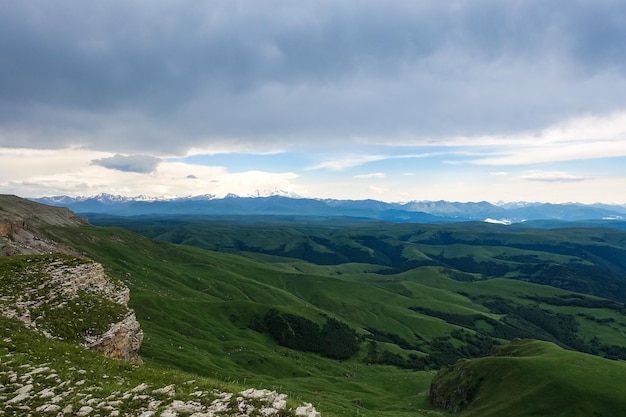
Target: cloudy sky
(398,100)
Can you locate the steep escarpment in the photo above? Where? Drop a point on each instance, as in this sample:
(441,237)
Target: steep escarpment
(49,288)
(22,224)
(71,299)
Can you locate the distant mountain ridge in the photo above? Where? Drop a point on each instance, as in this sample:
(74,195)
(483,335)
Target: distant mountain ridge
(282,203)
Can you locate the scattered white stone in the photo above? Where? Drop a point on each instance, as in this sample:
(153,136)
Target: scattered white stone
(169,390)
(185,407)
(18,398)
(147,414)
(153,405)
(25,389)
(39,370)
(219,406)
(307,411)
(84,411)
(46,393)
(48,408)
(224,396)
(257,393)
(68,409)
(56,399)
(139,388)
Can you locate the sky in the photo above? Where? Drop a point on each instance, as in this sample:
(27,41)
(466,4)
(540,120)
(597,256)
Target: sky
(477,100)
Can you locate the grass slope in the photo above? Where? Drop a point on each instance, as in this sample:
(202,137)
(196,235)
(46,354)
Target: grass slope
(532,378)
(196,307)
(42,376)
(588,260)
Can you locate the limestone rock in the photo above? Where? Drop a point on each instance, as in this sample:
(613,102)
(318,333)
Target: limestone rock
(121,341)
(64,281)
(307,411)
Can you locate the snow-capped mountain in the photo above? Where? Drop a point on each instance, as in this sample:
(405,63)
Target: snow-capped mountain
(279,202)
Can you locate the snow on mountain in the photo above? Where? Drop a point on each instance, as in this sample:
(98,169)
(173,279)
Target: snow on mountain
(281,202)
(506,222)
(272,193)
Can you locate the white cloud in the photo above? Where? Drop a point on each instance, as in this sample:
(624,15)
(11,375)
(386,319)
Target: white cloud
(369,176)
(36,173)
(347,162)
(582,138)
(544,176)
(340,164)
(233,146)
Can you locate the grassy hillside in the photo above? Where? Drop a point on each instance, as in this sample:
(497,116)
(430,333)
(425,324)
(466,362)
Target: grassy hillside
(45,369)
(204,312)
(532,378)
(42,376)
(587,260)
(195,308)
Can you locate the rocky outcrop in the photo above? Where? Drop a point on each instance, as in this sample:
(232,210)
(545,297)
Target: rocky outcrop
(36,214)
(47,285)
(121,341)
(43,287)
(10,226)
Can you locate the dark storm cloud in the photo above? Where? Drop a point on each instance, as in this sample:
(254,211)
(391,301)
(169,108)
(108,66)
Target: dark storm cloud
(132,163)
(165,76)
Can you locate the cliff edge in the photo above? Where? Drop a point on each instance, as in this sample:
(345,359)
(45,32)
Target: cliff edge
(22,223)
(47,287)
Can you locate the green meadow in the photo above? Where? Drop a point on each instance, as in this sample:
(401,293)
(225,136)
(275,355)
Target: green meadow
(418,298)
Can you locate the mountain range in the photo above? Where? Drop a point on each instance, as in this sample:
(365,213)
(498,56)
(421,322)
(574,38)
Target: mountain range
(281,203)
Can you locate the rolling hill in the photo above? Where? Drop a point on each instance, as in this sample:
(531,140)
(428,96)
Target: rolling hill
(508,383)
(273,304)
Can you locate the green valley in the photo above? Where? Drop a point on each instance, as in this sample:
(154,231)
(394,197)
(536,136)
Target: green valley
(362,318)
(418,297)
